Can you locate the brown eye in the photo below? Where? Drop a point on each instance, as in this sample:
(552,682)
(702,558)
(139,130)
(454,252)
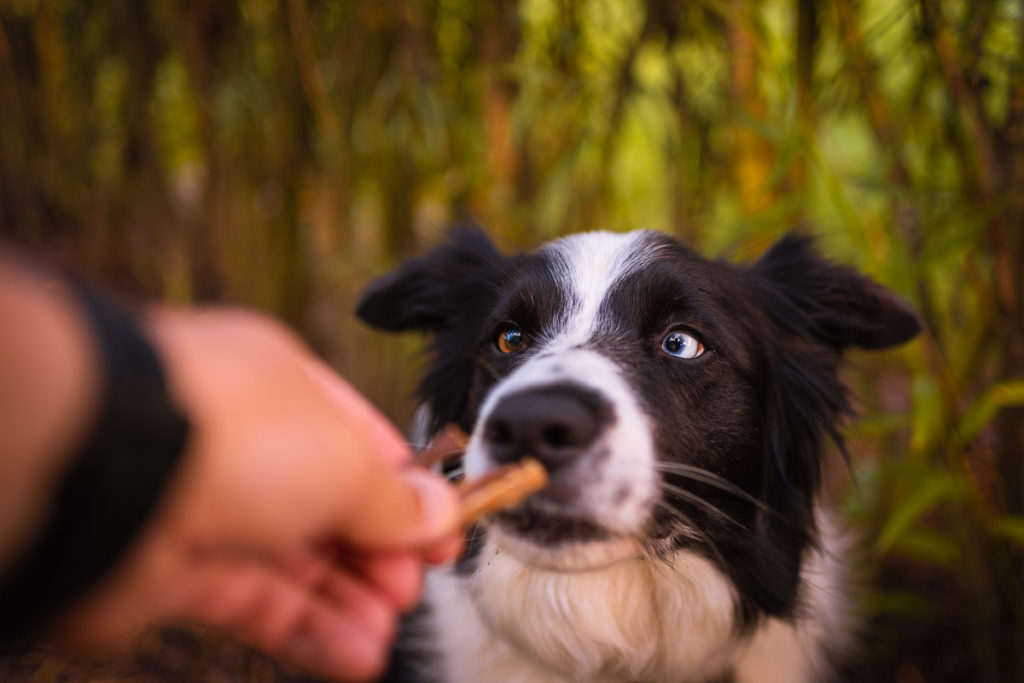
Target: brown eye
(511,340)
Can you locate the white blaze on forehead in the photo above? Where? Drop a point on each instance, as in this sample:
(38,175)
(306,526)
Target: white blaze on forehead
(587,266)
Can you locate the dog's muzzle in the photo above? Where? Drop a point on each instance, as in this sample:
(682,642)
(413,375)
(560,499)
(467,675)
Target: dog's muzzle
(556,424)
(575,413)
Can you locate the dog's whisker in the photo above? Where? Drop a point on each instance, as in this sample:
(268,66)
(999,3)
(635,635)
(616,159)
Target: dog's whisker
(710,478)
(692,528)
(476,531)
(678,515)
(697,500)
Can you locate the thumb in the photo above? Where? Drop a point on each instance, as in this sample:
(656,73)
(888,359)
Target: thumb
(399,509)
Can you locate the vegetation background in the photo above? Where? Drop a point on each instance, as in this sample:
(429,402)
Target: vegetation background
(280,153)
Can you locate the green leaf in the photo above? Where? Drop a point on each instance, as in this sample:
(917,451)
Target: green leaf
(935,489)
(900,604)
(931,546)
(998,396)
(1010,528)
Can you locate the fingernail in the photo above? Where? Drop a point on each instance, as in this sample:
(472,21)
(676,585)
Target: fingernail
(439,510)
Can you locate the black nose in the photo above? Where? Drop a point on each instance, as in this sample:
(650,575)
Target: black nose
(553,424)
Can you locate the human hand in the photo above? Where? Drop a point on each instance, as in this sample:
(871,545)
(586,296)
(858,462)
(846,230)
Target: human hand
(295,521)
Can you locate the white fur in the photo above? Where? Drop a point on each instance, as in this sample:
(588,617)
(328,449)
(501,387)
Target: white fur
(589,265)
(650,620)
(637,619)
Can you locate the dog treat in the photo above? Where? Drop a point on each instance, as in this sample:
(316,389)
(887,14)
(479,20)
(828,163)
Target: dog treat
(501,488)
(448,445)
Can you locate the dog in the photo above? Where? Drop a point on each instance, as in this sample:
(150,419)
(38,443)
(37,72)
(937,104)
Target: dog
(682,408)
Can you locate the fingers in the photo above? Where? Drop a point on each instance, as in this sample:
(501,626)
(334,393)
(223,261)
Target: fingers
(446,551)
(412,509)
(398,510)
(339,627)
(397,576)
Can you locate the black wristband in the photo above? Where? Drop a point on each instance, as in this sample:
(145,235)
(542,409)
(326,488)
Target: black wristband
(112,486)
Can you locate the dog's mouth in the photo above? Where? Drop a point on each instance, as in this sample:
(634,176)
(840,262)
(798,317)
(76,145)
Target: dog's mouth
(576,523)
(548,528)
(560,540)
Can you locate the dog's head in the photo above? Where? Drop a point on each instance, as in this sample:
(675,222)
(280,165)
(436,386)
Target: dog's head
(676,402)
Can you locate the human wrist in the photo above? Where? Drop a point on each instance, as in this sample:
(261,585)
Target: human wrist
(103,495)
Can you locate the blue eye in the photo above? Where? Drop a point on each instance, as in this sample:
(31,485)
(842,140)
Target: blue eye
(681,345)
(511,339)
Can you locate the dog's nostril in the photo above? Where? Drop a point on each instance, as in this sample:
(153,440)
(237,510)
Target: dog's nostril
(556,435)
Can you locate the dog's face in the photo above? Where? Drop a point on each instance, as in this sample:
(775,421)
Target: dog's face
(676,402)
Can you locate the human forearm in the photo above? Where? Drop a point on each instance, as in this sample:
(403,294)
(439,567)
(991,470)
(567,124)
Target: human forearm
(47,382)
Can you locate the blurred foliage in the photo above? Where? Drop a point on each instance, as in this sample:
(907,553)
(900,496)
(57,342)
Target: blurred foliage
(279,153)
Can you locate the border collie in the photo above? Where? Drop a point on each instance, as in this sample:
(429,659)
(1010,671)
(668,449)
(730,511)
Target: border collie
(681,407)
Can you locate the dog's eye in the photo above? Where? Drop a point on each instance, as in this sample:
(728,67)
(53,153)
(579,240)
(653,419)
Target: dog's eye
(511,340)
(681,345)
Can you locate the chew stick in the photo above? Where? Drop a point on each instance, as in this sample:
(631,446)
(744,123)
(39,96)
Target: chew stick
(501,488)
(449,444)
(496,490)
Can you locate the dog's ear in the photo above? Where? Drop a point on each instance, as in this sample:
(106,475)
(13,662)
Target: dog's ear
(436,290)
(810,297)
(818,309)
(448,292)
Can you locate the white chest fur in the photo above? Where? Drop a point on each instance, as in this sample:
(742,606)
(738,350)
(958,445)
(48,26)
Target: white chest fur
(637,620)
